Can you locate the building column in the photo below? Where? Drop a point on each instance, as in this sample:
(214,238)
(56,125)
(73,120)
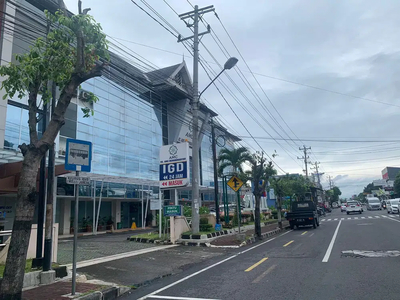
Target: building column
(117,210)
(6,56)
(65,216)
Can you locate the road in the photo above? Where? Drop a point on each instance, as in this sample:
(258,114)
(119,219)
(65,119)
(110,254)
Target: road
(300,264)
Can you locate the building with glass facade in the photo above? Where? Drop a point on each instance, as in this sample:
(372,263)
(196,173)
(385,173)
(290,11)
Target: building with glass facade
(136,114)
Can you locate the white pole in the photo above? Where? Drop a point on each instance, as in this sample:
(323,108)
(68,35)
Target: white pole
(159,213)
(176,197)
(147,203)
(94,208)
(142,208)
(98,209)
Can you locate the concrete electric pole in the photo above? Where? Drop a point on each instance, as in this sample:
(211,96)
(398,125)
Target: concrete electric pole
(317,173)
(195,16)
(305,157)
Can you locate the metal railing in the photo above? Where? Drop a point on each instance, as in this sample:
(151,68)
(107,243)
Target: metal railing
(4,233)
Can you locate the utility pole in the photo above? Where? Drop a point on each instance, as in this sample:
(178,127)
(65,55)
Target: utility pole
(305,157)
(331,184)
(195,16)
(317,172)
(215,165)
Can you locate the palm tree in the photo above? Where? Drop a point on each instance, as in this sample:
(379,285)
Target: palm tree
(260,175)
(233,158)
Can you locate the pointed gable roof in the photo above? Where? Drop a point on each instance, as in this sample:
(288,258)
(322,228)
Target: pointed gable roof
(163,74)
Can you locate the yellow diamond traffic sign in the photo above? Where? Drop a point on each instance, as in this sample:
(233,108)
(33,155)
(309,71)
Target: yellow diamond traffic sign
(235,183)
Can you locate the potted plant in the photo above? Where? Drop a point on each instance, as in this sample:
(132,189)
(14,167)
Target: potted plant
(110,223)
(89,225)
(71,225)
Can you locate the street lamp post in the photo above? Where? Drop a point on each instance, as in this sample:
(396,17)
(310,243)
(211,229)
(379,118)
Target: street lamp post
(230,63)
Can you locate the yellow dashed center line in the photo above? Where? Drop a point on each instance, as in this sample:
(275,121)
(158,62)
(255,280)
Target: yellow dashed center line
(256,264)
(287,244)
(304,232)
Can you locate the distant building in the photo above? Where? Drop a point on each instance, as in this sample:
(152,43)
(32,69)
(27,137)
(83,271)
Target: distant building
(390,173)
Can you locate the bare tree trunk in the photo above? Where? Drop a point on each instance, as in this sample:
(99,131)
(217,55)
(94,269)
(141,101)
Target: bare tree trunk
(257,218)
(279,212)
(11,285)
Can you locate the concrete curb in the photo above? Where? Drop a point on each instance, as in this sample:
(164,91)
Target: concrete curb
(251,240)
(149,241)
(107,294)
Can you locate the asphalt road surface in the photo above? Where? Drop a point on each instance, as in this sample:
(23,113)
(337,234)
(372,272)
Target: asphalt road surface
(300,264)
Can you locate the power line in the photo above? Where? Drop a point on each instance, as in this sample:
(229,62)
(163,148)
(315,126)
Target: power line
(326,141)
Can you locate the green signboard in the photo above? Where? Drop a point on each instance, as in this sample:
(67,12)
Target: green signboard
(172,210)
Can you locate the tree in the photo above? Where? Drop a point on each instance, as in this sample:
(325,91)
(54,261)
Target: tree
(234,158)
(336,193)
(260,173)
(73,51)
(368,189)
(281,188)
(297,186)
(396,184)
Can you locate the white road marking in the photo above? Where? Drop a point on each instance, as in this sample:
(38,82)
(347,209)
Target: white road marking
(329,250)
(329,219)
(369,217)
(392,219)
(377,217)
(205,269)
(362,217)
(356,218)
(322,220)
(391,216)
(348,218)
(341,218)
(178,298)
(100,260)
(311,234)
(335,219)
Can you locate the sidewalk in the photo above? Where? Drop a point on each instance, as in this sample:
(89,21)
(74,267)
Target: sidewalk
(97,246)
(56,290)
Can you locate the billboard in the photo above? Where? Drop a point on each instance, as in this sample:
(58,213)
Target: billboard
(174,165)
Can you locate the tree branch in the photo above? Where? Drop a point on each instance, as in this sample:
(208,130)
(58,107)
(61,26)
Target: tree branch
(32,121)
(57,120)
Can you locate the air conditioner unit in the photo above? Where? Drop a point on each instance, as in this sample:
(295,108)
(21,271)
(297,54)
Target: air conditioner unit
(84,95)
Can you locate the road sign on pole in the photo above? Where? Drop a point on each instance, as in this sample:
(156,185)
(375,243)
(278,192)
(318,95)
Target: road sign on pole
(172,210)
(78,180)
(78,156)
(235,183)
(174,165)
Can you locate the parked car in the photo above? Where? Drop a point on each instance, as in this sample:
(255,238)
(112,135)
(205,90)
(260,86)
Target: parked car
(373,203)
(343,207)
(392,206)
(353,206)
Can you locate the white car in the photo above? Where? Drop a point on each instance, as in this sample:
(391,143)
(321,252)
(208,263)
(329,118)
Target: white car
(343,208)
(353,206)
(392,206)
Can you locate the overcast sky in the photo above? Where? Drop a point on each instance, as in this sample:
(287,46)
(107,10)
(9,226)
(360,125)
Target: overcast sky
(333,53)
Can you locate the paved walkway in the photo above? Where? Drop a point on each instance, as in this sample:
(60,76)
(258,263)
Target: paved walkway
(56,290)
(91,247)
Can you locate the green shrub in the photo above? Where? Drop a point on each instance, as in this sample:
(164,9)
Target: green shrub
(205,227)
(204,210)
(203,221)
(235,219)
(274,214)
(187,211)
